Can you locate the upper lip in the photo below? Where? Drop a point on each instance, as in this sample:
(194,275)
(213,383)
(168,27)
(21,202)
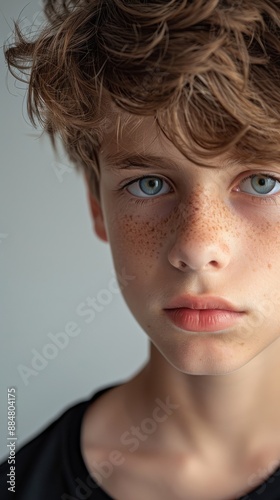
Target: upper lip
(202,302)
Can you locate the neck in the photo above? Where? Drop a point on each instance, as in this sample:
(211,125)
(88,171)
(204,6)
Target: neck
(229,413)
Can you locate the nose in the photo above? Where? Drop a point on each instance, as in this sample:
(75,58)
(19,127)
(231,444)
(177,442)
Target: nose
(200,237)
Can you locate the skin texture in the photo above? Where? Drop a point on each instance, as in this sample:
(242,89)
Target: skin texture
(210,233)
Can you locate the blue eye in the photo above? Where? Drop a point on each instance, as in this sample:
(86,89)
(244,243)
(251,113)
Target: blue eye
(264,184)
(147,187)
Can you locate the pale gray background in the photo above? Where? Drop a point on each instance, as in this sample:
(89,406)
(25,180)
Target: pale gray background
(50,262)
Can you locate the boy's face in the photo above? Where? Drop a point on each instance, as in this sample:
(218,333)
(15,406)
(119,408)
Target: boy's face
(188,229)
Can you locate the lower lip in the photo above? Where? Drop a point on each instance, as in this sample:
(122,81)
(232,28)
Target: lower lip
(203,320)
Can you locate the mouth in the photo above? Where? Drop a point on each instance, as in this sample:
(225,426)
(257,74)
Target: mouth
(202,303)
(203,314)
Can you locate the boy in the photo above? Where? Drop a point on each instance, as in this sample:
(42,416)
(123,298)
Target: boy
(172,111)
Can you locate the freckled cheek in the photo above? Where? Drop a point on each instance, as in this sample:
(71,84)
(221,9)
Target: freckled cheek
(263,243)
(136,241)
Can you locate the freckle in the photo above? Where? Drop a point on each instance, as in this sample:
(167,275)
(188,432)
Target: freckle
(269,265)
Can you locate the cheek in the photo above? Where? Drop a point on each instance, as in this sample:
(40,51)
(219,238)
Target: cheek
(263,242)
(134,239)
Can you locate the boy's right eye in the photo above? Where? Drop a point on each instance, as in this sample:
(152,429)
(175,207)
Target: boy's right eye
(148,187)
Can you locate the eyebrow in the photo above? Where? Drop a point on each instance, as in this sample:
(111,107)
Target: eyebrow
(123,161)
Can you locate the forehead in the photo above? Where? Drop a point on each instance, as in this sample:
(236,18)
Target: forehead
(125,131)
(129,138)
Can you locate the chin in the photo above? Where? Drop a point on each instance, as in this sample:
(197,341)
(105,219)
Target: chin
(194,360)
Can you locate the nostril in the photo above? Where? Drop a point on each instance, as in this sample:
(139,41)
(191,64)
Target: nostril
(214,263)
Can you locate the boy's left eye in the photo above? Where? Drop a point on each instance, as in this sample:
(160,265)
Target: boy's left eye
(262,184)
(148,187)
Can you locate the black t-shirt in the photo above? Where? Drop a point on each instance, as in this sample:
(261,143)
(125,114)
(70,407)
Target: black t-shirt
(51,467)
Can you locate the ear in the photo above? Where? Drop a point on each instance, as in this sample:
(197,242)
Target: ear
(97,216)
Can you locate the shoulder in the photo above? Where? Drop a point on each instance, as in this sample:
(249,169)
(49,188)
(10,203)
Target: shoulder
(47,465)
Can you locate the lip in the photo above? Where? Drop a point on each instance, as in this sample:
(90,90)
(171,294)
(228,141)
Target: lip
(202,314)
(198,320)
(202,303)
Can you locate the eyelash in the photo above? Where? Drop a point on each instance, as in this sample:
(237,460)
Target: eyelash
(255,198)
(145,199)
(258,198)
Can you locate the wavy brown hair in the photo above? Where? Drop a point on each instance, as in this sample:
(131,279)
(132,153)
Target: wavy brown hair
(207,70)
